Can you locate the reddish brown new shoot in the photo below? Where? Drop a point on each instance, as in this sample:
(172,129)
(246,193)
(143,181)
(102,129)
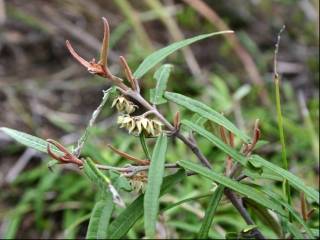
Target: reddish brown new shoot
(99,68)
(66,158)
(129,157)
(129,75)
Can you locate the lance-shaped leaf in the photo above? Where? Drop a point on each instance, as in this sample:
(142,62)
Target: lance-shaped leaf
(294,181)
(208,218)
(241,188)
(156,57)
(161,76)
(206,112)
(30,141)
(100,218)
(82,61)
(102,181)
(105,43)
(155,176)
(256,161)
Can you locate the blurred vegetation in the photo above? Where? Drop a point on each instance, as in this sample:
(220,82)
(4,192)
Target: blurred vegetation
(43,91)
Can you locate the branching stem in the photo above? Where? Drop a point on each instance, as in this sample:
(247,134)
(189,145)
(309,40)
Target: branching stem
(195,149)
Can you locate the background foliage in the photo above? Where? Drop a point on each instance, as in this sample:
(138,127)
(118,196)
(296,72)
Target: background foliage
(45,93)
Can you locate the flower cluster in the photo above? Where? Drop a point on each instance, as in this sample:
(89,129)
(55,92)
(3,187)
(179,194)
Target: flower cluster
(124,105)
(140,124)
(138,182)
(135,124)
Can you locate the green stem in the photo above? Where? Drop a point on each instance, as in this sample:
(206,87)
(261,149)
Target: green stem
(285,164)
(144,146)
(282,140)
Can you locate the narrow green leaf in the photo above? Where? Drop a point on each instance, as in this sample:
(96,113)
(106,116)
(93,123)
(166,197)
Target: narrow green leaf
(216,141)
(155,177)
(12,226)
(294,231)
(256,160)
(74,225)
(246,190)
(128,217)
(294,181)
(100,218)
(156,57)
(161,76)
(124,222)
(207,112)
(94,174)
(29,140)
(103,182)
(208,218)
(315,232)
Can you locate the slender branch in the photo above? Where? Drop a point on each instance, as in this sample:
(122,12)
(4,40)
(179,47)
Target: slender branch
(133,169)
(129,157)
(195,149)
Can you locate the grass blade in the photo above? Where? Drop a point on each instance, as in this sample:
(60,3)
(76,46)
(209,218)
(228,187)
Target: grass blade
(99,220)
(155,177)
(128,217)
(206,112)
(161,76)
(208,218)
(241,188)
(157,56)
(29,140)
